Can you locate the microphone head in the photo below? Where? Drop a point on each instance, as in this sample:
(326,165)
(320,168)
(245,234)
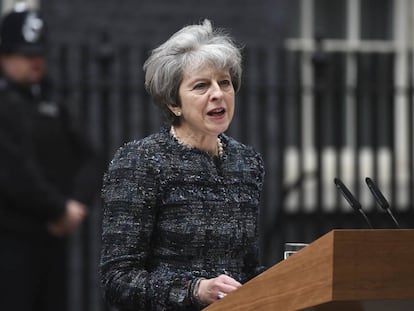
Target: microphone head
(354,203)
(351,199)
(379,198)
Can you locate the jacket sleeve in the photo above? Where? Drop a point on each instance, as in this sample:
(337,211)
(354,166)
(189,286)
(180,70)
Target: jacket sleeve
(88,179)
(252,265)
(21,183)
(130,213)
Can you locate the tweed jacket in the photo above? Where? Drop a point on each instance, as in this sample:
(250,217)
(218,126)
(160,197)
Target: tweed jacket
(173,214)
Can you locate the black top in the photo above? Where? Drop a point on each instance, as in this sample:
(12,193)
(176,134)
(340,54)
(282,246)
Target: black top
(43,161)
(173,214)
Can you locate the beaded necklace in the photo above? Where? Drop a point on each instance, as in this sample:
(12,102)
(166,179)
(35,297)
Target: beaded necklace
(219,143)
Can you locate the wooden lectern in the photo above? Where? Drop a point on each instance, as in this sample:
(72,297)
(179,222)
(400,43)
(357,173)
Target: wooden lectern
(348,270)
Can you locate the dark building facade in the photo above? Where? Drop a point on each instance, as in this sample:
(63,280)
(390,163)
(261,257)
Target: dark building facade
(97,49)
(326,92)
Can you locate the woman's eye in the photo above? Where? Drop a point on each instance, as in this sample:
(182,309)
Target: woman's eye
(225,83)
(199,86)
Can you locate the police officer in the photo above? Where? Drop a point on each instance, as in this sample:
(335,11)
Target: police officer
(49,175)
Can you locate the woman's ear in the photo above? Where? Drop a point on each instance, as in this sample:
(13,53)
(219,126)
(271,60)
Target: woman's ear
(175,110)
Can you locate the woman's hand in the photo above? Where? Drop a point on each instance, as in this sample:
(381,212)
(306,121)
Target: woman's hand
(211,290)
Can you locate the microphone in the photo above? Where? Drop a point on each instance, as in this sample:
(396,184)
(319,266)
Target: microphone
(380,199)
(351,200)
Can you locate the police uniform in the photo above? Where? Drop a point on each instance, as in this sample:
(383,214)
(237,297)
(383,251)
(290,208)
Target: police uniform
(43,163)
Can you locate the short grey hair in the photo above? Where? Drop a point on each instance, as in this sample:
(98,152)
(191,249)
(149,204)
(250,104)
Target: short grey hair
(193,46)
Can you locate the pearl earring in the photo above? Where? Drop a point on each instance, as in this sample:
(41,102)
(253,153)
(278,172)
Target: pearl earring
(178,113)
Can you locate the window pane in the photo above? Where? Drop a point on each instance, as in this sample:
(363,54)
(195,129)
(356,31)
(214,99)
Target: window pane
(330,18)
(292,19)
(376,19)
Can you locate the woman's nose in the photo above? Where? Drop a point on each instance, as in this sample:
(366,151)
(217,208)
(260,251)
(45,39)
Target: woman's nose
(216,90)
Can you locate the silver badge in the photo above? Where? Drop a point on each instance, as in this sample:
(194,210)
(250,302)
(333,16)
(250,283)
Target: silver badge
(48,108)
(32,28)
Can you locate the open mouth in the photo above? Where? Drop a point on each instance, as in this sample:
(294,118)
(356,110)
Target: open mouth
(216,112)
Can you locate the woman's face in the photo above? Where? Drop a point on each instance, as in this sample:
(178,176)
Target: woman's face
(207,102)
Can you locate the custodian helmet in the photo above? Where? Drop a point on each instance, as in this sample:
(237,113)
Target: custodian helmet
(22,32)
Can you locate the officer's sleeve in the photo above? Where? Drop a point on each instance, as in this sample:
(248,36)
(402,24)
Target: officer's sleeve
(21,182)
(88,178)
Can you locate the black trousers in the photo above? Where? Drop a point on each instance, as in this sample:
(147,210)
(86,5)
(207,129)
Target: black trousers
(32,273)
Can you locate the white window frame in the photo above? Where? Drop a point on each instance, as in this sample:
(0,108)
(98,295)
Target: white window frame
(401,44)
